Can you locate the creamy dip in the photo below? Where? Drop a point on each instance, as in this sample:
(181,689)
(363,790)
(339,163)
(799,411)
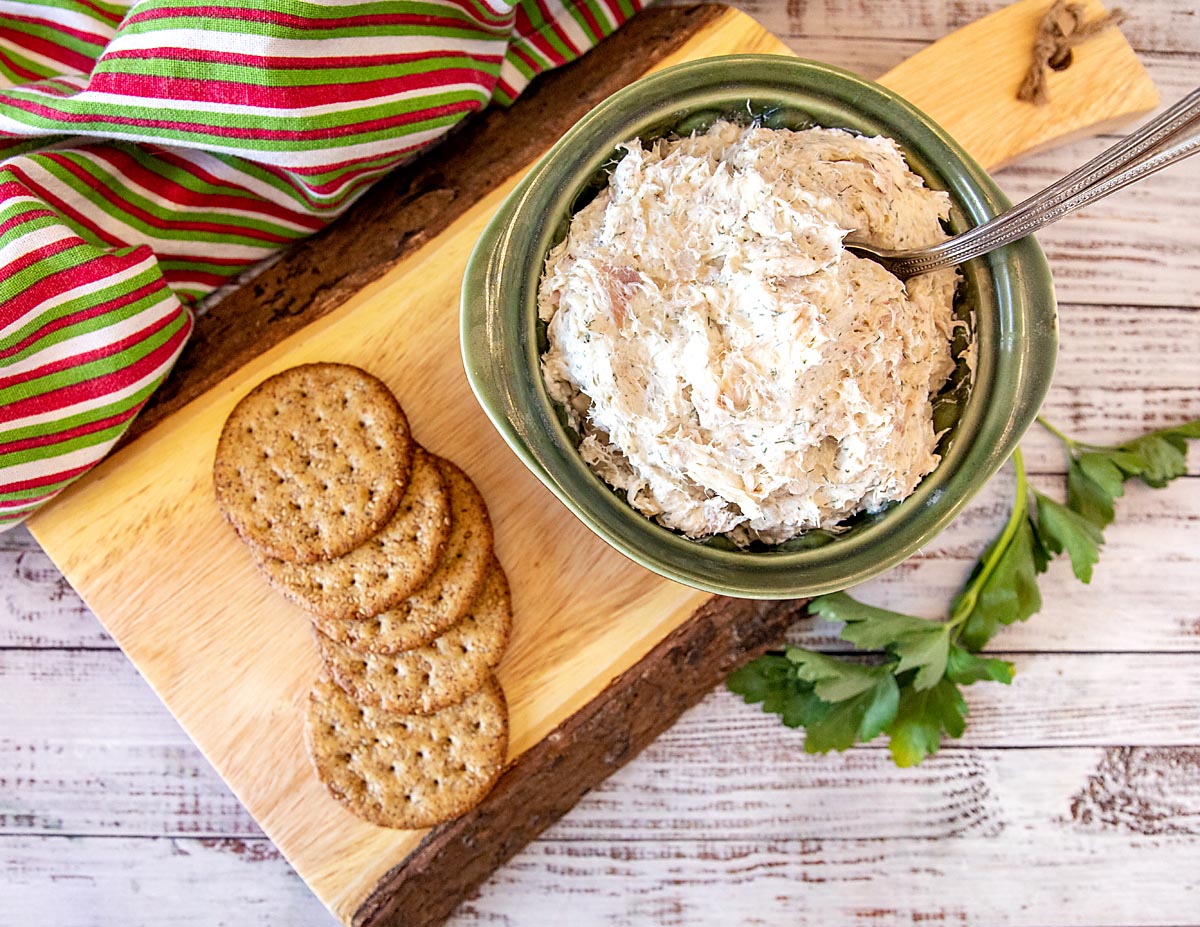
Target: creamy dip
(729,365)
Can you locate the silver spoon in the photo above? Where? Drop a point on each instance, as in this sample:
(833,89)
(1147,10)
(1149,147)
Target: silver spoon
(1171,136)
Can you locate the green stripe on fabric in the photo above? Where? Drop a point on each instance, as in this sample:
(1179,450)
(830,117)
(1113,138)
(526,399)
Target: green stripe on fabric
(627,10)
(581,20)
(114,407)
(277,78)
(92,369)
(48,451)
(317,13)
(519,63)
(55,36)
(186,178)
(28,276)
(116,10)
(39,68)
(93,297)
(163,210)
(260,121)
(231,26)
(86,326)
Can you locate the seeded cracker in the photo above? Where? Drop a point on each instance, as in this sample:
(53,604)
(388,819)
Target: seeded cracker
(407,771)
(444,599)
(440,673)
(384,570)
(312,462)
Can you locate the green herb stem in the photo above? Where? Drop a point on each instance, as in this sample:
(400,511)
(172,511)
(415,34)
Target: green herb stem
(1019,512)
(1069,442)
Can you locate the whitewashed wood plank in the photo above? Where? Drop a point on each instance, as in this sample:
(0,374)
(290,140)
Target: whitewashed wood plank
(1161,26)
(92,750)
(1076,880)
(95,753)
(38,607)
(760,784)
(1139,246)
(115,764)
(164,882)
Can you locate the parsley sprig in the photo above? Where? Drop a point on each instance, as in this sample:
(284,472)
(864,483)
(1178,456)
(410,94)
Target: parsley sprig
(905,678)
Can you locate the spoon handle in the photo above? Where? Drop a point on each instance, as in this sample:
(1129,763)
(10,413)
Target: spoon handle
(1170,137)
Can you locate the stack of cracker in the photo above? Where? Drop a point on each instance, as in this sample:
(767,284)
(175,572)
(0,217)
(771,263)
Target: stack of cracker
(389,550)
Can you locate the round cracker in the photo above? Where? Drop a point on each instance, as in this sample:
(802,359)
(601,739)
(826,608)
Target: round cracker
(440,673)
(444,599)
(312,462)
(388,567)
(407,771)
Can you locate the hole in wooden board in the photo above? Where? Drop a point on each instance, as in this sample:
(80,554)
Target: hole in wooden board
(1062,60)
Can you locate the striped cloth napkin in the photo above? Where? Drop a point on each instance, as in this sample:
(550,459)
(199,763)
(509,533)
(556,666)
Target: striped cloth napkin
(151,150)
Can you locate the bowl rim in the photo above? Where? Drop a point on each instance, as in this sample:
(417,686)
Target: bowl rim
(1017,273)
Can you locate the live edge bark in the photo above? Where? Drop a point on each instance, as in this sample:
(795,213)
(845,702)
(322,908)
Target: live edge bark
(546,781)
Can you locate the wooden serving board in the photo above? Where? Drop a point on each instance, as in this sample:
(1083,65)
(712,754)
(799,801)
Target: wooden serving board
(604,654)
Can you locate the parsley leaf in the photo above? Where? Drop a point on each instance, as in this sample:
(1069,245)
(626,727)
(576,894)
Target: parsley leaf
(1006,593)
(911,691)
(920,644)
(922,718)
(1062,529)
(965,668)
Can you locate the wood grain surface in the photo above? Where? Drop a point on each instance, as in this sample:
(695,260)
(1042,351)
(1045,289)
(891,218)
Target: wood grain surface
(1073,799)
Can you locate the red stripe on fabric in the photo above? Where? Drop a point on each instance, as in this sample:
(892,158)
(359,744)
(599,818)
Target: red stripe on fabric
(327,188)
(166,188)
(504,87)
(38,482)
(101,386)
(18,69)
(90,312)
(90,271)
(29,258)
(268,207)
(61,206)
(35,213)
(55,27)
(355,128)
(44,440)
(483,12)
(48,49)
(78,360)
(530,61)
(126,206)
(531,34)
(208,90)
(289,62)
(557,28)
(313,25)
(208,279)
(583,10)
(111,16)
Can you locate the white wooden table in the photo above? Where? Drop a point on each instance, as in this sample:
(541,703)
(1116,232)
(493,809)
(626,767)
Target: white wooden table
(1074,799)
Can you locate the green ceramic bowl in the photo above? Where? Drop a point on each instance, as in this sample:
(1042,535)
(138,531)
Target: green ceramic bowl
(1007,297)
